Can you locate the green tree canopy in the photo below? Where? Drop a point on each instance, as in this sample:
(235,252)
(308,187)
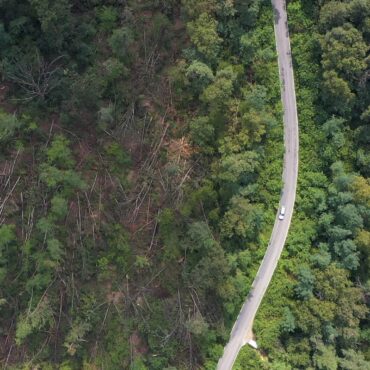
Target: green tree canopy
(203,34)
(344,51)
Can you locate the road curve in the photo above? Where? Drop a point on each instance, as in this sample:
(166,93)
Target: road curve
(242,329)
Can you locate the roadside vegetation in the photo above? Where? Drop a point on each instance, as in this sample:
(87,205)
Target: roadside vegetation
(141,147)
(314,314)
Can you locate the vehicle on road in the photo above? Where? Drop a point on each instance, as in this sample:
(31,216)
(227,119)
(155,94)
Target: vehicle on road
(253,343)
(282,213)
(242,330)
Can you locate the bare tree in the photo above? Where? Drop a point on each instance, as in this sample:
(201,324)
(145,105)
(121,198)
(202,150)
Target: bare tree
(36,76)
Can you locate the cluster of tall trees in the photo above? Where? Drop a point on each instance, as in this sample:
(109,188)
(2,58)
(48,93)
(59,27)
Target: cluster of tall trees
(324,274)
(141,148)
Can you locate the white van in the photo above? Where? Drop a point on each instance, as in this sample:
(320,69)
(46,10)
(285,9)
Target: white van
(282,213)
(253,343)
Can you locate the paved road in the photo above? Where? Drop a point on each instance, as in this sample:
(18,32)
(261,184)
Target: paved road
(242,330)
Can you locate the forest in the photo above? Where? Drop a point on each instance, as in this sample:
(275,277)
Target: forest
(141,153)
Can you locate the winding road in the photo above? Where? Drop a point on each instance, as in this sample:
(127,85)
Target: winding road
(242,330)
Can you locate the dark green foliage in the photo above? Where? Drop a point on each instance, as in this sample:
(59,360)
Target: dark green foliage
(344,50)
(120,41)
(202,133)
(135,213)
(9,124)
(199,75)
(337,93)
(288,324)
(7,241)
(325,300)
(333,14)
(107,17)
(305,283)
(119,251)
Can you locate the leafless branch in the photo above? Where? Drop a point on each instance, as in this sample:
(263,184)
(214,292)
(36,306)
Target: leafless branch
(36,77)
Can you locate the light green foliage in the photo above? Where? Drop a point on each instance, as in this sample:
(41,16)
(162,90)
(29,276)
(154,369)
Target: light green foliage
(34,320)
(75,337)
(142,262)
(7,235)
(107,16)
(363,161)
(82,324)
(53,177)
(55,250)
(243,219)
(9,125)
(365,116)
(57,171)
(179,81)
(361,190)
(59,152)
(299,352)
(203,34)
(278,365)
(45,225)
(250,359)
(138,364)
(59,207)
(325,357)
(353,361)
(218,93)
